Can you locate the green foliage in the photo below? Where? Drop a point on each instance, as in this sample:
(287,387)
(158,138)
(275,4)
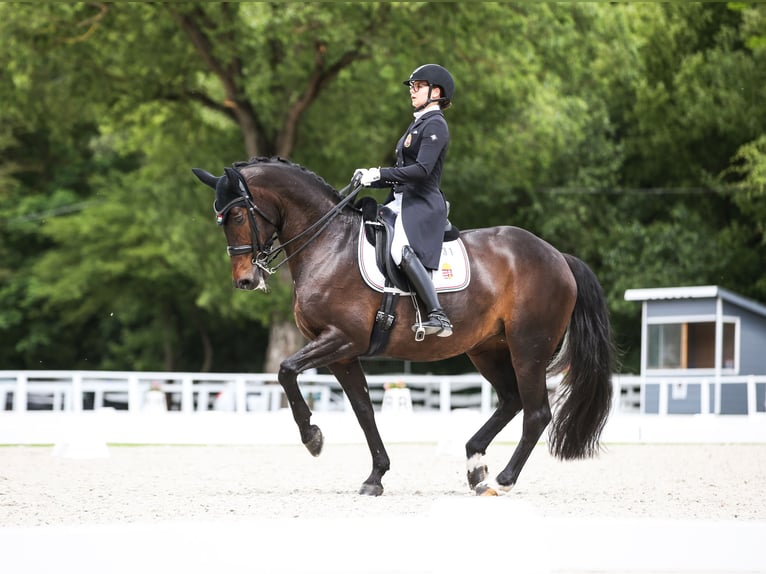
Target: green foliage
(749,170)
(629,134)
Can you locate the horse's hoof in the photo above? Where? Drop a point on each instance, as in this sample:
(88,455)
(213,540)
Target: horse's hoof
(486,490)
(492,488)
(371,489)
(476,476)
(315,443)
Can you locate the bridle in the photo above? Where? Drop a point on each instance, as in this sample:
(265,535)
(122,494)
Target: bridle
(264,254)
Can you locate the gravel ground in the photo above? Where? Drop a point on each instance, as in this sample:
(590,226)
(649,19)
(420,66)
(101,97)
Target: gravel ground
(148,484)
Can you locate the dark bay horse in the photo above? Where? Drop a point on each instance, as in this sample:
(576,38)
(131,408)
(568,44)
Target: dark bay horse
(528,311)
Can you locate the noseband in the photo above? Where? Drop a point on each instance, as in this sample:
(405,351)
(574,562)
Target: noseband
(264,253)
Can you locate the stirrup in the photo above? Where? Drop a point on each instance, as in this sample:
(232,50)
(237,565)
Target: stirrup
(437,324)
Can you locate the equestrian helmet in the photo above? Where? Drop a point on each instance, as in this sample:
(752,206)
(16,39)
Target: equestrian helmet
(435,75)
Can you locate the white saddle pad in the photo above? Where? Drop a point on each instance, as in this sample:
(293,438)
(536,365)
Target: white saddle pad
(454,273)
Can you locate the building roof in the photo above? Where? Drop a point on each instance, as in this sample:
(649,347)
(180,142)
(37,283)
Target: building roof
(696,292)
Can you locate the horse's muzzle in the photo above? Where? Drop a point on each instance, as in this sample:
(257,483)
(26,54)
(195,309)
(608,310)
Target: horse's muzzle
(250,285)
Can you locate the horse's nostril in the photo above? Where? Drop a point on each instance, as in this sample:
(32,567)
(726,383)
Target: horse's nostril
(244,284)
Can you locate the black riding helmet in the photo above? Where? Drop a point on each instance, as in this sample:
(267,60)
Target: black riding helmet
(435,75)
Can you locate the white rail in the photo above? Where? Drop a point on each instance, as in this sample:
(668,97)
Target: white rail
(669,386)
(242,392)
(79,390)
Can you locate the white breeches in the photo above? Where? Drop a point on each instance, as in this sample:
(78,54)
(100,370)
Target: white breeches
(399,242)
(400,236)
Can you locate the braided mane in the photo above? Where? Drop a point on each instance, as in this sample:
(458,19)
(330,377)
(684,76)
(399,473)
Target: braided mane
(276,160)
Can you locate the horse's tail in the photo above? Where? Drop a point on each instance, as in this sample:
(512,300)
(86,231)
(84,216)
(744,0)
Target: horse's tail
(586,358)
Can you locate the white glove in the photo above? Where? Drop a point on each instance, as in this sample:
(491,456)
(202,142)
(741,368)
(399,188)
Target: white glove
(367,177)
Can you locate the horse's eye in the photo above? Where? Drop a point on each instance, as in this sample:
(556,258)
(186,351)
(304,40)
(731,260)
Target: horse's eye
(237,217)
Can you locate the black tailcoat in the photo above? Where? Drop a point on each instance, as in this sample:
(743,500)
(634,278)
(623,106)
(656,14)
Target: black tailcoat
(420,155)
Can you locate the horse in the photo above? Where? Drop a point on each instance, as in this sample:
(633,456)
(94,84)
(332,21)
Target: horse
(528,312)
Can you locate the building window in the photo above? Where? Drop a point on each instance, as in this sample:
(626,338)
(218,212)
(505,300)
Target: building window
(689,345)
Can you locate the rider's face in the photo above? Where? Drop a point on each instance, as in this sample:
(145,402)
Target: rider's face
(419,93)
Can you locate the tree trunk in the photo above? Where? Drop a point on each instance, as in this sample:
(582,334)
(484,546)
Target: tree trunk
(207,350)
(284,340)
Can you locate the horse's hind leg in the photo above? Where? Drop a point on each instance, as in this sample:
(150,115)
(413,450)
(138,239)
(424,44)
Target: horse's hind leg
(533,393)
(351,378)
(495,365)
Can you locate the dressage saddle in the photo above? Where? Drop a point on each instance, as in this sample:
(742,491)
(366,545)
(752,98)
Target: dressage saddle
(379,223)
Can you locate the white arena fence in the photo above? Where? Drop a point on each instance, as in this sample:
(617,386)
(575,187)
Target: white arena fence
(259,392)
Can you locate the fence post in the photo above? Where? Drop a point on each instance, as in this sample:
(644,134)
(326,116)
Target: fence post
(705,397)
(240,395)
(717,401)
(20,394)
(642,396)
(134,396)
(663,398)
(275,397)
(75,398)
(752,400)
(187,395)
(445,396)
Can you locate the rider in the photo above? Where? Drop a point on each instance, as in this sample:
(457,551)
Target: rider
(415,195)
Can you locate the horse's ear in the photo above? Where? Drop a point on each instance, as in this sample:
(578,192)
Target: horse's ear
(207,178)
(236,181)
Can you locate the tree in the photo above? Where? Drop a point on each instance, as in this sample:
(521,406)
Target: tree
(258,66)
(629,134)
(297,51)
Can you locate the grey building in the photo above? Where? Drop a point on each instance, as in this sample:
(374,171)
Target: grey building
(703,350)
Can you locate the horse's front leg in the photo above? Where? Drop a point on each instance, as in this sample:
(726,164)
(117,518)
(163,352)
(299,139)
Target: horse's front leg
(311,435)
(351,377)
(328,347)
(333,350)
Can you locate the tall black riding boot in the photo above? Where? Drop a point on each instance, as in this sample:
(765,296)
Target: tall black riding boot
(437,322)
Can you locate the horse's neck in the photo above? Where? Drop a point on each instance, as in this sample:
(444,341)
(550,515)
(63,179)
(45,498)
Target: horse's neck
(334,247)
(300,214)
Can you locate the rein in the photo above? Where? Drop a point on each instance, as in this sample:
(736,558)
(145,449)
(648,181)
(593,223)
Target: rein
(264,255)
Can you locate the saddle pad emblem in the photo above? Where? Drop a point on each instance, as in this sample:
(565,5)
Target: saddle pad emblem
(454,273)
